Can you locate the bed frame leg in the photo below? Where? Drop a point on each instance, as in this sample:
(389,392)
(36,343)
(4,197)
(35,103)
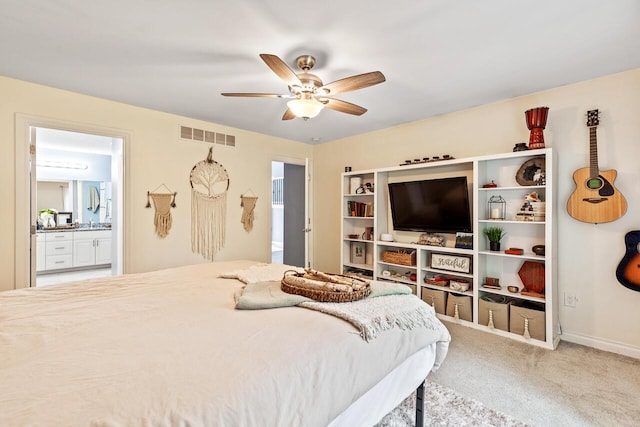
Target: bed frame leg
(420,405)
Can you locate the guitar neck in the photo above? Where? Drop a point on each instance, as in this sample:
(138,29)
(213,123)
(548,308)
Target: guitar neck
(593,153)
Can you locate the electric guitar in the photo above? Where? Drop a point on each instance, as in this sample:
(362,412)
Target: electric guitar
(628,271)
(595,199)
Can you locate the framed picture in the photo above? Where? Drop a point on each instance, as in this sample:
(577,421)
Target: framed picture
(464,240)
(459,263)
(358,253)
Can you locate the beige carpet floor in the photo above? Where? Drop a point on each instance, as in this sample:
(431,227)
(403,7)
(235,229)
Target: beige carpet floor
(570,386)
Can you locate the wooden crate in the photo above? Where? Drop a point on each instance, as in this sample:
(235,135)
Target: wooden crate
(400,258)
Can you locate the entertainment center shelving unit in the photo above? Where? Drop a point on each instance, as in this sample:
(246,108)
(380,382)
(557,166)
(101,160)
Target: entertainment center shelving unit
(500,168)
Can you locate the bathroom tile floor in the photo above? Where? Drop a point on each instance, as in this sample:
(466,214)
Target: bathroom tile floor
(71,276)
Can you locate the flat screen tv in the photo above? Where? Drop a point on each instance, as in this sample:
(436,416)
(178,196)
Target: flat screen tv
(433,205)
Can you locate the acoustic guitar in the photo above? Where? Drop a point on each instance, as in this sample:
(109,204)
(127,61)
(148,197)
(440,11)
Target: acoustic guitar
(628,271)
(595,198)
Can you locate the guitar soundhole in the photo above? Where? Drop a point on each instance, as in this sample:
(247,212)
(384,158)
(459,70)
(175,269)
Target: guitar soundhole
(594,183)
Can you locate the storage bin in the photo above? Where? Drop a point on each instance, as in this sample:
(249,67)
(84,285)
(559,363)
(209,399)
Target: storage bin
(463,302)
(436,299)
(401,258)
(414,289)
(499,311)
(534,313)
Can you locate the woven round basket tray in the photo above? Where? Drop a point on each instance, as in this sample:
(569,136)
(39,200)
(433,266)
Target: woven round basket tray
(324,295)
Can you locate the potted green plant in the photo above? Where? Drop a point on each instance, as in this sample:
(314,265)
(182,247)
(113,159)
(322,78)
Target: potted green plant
(494,234)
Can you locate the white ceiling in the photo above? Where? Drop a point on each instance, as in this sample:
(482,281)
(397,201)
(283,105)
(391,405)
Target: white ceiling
(438,55)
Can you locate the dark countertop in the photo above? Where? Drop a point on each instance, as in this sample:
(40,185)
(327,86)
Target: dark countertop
(65,229)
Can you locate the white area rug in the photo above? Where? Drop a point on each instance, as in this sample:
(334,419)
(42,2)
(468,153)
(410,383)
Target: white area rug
(445,407)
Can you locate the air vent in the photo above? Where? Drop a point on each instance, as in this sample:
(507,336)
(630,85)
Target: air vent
(200,135)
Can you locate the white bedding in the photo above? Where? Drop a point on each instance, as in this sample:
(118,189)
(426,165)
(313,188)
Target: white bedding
(167,348)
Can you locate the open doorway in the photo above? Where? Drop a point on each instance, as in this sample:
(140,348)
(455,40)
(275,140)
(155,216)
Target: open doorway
(74,200)
(289,214)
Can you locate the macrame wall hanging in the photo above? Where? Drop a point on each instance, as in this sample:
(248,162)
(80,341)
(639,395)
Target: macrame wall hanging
(162,203)
(209,185)
(248,204)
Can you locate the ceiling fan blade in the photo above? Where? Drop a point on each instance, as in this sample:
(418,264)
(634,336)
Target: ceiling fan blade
(344,107)
(288,115)
(353,83)
(259,95)
(282,70)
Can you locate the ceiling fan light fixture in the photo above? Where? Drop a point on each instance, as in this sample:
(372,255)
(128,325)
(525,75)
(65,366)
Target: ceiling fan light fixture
(305,108)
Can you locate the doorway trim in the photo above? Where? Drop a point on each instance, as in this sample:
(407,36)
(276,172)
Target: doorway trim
(308,164)
(22,236)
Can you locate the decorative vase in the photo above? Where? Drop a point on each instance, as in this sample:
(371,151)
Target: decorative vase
(494,246)
(536,122)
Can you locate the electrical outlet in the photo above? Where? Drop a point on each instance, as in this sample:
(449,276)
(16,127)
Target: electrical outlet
(570,300)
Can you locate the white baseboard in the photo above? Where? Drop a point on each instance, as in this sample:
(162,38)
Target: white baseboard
(600,344)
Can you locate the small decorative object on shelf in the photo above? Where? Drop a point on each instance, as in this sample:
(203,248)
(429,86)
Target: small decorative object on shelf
(354,183)
(368,187)
(358,254)
(494,234)
(490,185)
(458,263)
(536,122)
(514,251)
(431,239)
(532,172)
(437,280)
(538,250)
(497,207)
(513,289)
(533,209)
(520,146)
(460,285)
(532,275)
(492,283)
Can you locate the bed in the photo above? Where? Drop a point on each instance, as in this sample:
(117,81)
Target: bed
(168,348)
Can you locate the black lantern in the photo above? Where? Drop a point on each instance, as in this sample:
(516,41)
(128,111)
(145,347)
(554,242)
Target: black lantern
(497,208)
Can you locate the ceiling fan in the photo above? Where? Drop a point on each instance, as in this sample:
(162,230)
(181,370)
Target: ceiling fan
(307,92)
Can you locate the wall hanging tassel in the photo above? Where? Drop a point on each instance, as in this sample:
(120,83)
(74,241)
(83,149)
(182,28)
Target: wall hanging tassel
(209,185)
(526,333)
(148,205)
(490,324)
(248,204)
(162,219)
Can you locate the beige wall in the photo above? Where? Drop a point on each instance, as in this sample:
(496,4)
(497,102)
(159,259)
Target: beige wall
(607,314)
(155,156)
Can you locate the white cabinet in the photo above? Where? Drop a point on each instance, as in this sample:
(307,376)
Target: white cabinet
(537,312)
(91,248)
(58,249)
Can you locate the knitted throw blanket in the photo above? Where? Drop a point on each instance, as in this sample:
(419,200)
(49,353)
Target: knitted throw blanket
(371,316)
